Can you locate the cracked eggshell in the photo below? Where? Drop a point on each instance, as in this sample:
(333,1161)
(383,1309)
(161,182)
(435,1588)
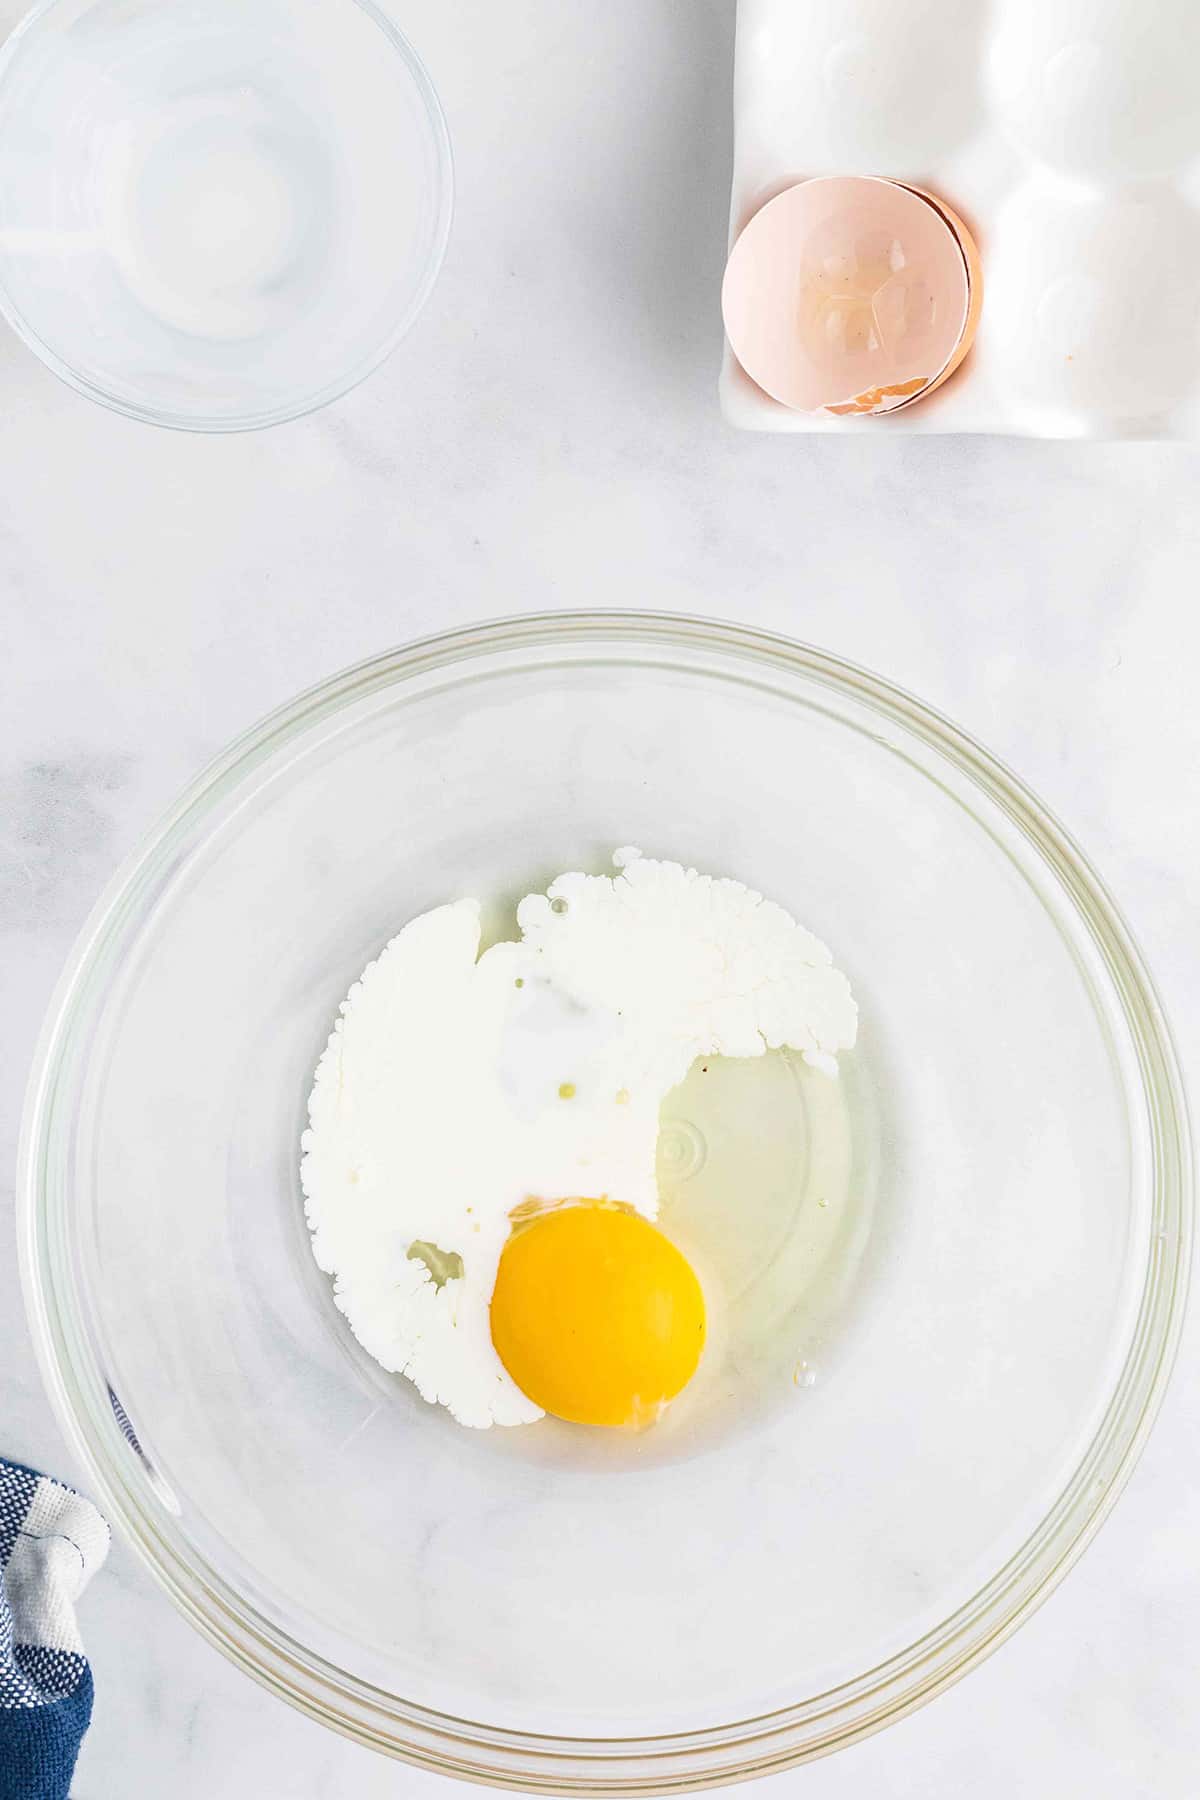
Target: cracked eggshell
(850,294)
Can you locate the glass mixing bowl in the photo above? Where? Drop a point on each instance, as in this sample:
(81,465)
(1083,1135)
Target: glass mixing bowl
(217,214)
(777,1575)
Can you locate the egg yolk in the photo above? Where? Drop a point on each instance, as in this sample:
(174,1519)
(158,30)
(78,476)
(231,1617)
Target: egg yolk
(596,1315)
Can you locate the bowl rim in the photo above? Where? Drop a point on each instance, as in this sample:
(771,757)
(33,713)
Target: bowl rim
(333,390)
(721,1754)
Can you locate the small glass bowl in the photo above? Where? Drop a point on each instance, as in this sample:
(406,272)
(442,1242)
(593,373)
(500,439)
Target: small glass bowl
(591,1613)
(217,214)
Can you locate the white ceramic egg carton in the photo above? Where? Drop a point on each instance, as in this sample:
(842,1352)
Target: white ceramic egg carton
(1065,132)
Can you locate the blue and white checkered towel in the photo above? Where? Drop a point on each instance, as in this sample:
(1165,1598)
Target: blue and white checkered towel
(52,1541)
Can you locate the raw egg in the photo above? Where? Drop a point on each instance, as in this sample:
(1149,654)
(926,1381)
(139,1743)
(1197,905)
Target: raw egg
(459,1094)
(850,294)
(596,1315)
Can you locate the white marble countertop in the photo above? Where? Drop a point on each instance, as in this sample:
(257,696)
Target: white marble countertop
(549,436)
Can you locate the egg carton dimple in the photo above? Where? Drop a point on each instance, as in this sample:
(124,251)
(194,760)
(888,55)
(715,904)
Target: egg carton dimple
(1065,132)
